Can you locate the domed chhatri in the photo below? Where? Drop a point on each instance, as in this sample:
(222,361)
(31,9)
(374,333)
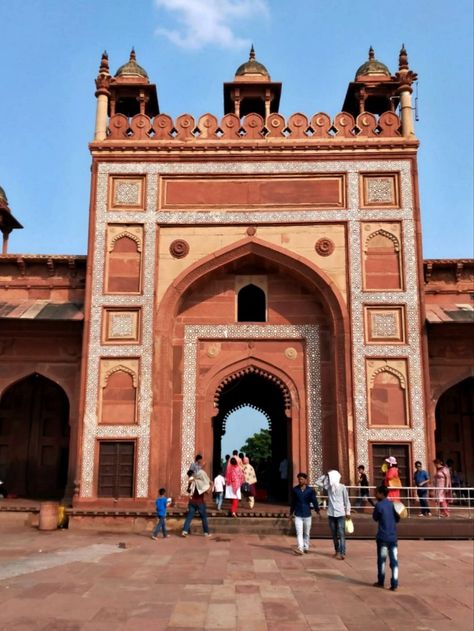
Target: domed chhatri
(373,67)
(131,68)
(252,69)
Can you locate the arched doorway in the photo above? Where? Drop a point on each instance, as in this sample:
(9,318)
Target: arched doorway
(34,438)
(454,433)
(254,388)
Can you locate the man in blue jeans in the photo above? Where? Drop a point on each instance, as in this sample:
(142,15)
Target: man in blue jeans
(386,538)
(339,509)
(198,485)
(303,498)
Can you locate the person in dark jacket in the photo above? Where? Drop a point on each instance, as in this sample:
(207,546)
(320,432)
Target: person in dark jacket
(303,498)
(387,517)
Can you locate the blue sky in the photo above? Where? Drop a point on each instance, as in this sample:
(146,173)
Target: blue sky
(51,51)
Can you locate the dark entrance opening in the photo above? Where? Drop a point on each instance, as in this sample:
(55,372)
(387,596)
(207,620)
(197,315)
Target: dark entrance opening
(454,433)
(253,388)
(34,438)
(251,304)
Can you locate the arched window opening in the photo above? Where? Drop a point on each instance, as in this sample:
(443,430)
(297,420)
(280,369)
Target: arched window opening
(251,304)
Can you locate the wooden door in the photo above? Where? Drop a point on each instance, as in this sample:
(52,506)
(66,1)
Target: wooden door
(116,464)
(34,438)
(384,450)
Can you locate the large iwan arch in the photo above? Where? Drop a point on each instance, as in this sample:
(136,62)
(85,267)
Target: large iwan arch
(184,305)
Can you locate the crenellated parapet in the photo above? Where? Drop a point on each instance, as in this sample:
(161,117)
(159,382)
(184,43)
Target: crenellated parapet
(297,127)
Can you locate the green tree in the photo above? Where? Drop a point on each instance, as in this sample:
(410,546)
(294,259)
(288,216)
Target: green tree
(258,446)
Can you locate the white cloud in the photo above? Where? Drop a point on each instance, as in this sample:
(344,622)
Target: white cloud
(203,22)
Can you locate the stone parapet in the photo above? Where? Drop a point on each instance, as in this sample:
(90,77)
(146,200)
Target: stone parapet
(275,128)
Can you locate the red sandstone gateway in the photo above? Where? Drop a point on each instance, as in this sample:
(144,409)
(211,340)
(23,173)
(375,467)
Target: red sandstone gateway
(242,260)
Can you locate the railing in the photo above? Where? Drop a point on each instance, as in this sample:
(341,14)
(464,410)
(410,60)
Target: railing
(254,127)
(460,506)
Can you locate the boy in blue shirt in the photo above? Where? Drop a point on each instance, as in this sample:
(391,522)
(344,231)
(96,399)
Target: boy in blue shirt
(386,538)
(161,503)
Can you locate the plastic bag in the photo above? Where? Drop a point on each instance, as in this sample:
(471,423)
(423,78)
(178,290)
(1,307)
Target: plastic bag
(349,526)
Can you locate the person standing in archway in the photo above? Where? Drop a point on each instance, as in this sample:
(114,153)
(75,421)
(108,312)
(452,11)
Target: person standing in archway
(283,471)
(250,479)
(234,478)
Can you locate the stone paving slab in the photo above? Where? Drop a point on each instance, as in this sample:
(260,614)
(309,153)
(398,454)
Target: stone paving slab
(86,581)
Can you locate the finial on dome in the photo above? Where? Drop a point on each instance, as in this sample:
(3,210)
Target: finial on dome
(403,59)
(133,55)
(3,198)
(252,53)
(104,63)
(371,53)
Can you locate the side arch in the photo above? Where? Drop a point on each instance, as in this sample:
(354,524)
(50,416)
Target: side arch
(35,432)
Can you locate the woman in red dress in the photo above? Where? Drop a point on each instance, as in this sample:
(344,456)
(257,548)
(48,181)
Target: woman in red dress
(234,478)
(392,479)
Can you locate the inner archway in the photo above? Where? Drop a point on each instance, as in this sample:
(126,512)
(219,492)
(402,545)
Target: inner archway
(253,389)
(34,438)
(454,433)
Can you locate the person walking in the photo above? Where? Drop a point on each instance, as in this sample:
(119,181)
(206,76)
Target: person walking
(339,509)
(198,485)
(387,517)
(234,478)
(303,498)
(161,503)
(198,464)
(364,494)
(442,482)
(250,479)
(392,479)
(422,481)
(218,488)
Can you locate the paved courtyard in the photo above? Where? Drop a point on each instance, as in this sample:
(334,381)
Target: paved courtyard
(70,581)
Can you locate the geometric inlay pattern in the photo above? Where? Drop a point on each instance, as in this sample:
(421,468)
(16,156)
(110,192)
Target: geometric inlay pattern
(384,325)
(122,325)
(379,190)
(127,193)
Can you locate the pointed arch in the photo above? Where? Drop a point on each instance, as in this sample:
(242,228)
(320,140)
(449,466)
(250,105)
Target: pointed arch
(306,269)
(125,235)
(383,233)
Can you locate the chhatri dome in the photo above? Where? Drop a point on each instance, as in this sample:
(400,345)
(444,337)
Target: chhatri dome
(373,67)
(131,68)
(252,69)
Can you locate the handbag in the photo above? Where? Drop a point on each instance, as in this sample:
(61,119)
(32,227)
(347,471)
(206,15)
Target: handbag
(395,483)
(349,526)
(245,488)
